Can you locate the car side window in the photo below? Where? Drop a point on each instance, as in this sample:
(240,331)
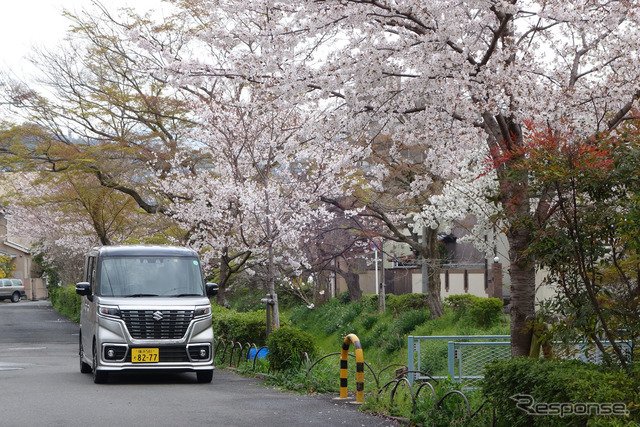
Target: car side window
(6,282)
(91,271)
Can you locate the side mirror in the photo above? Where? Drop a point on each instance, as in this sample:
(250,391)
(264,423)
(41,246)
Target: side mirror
(212,289)
(83,288)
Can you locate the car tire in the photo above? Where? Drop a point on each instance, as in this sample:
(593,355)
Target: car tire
(85,368)
(15,297)
(99,377)
(204,376)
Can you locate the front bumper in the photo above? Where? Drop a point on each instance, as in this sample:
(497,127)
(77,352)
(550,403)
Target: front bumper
(193,352)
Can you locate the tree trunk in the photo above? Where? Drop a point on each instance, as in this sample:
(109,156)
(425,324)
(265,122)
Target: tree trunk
(431,263)
(353,285)
(321,289)
(222,281)
(523,292)
(505,139)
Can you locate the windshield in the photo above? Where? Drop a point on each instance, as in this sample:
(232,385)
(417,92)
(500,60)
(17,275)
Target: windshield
(150,276)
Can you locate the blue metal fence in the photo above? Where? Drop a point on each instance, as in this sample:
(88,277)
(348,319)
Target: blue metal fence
(466,355)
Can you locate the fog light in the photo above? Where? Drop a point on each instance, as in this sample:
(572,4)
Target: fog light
(111,353)
(203,353)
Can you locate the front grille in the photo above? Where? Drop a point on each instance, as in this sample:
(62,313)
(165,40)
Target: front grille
(157,324)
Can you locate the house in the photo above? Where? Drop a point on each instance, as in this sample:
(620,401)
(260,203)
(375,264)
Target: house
(35,288)
(463,269)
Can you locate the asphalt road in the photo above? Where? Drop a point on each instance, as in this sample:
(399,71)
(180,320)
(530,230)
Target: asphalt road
(41,385)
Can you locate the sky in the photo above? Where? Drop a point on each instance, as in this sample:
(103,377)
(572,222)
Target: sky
(28,23)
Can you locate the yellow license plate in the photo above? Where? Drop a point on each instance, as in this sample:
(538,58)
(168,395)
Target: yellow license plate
(145,355)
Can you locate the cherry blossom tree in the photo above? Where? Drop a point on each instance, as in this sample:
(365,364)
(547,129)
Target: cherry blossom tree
(444,77)
(262,188)
(447,79)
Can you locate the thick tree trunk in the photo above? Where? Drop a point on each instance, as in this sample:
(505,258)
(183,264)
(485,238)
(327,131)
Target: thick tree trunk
(431,269)
(523,292)
(222,282)
(353,285)
(505,142)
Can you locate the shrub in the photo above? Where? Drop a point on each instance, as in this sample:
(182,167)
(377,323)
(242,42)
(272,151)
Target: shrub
(66,302)
(402,303)
(286,346)
(459,303)
(241,327)
(486,311)
(548,381)
(482,311)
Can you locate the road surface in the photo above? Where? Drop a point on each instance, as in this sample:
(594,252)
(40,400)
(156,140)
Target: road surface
(41,385)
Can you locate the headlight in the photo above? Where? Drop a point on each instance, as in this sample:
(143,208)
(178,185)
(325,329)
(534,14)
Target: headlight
(202,311)
(109,311)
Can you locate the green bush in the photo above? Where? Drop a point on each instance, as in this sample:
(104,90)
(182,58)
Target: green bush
(482,311)
(66,302)
(548,381)
(406,302)
(486,311)
(246,327)
(286,347)
(459,303)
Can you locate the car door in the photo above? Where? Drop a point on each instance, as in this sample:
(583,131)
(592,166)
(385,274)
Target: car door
(88,310)
(5,288)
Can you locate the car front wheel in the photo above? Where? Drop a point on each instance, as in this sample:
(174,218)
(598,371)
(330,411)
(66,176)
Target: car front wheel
(85,368)
(99,377)
(204,376)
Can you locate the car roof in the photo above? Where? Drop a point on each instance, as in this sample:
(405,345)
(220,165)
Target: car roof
(143,250)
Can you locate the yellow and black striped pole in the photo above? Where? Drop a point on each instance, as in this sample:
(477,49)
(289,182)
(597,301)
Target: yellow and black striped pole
(344,354)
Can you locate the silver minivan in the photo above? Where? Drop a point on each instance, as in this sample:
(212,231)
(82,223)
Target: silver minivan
(145,308)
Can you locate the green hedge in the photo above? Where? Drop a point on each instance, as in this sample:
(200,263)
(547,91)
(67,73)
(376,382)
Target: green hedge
(483,311)
(249,327)
(286,347)
(508,383)
(66,301)
(407,302)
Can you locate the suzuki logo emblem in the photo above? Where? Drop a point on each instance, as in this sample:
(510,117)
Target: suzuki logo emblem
(157,316)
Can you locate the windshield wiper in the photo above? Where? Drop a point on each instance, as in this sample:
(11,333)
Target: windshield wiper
(188,295)
(142,295)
